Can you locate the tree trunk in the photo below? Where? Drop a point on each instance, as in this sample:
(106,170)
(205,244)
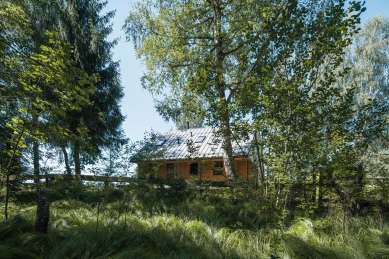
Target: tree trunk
(358,190)
(359,181)
(220,88)
(36,159)
(35,147)
(76,156)
(42,212)
(260,176)
(66,158)
(320,191)
(228,158)
(314,187)
(8,171)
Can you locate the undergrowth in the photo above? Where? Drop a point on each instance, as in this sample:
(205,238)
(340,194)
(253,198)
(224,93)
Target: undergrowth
(125,223)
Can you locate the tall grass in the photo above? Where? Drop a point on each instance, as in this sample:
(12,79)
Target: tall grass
(193,227)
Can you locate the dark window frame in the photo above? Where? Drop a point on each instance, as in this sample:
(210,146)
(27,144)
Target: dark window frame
(218,168)
(194,169)
(169,170)
(160,142)
(200,139)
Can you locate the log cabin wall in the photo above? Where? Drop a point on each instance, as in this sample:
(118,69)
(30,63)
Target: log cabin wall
(207,169)
(170,152)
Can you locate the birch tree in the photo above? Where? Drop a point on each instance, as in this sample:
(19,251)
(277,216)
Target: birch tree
(368,59)
(225,50)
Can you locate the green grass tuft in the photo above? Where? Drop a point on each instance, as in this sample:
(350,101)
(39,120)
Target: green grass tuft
(123,226)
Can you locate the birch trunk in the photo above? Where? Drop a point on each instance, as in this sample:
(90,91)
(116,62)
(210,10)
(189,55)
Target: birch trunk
(220,88)
(66,159)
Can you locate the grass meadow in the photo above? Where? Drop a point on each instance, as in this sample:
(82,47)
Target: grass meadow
(145,221)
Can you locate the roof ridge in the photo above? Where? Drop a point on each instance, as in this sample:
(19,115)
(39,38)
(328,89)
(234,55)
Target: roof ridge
(183,130)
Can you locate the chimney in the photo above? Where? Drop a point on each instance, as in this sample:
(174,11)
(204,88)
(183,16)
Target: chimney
(187,125)
(178,140)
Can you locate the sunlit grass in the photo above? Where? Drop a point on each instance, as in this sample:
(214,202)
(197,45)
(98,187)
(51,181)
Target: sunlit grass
(193,228)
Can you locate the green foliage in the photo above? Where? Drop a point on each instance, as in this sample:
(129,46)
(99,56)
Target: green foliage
(198,226)
(273,61)
(56,67)
(368,58)
(83,25)
(40,83)
(182,110)
(43,81)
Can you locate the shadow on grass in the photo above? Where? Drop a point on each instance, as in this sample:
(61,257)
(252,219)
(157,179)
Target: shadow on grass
(17,240)
(301,249)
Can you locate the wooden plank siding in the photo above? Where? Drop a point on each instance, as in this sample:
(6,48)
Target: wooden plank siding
(179,149)
(205,169)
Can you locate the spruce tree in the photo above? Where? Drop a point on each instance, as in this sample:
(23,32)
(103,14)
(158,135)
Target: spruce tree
(82,25)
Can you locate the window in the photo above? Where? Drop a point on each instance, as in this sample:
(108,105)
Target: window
(218,168)
(170,167)
(169,170)
(160,142)
(194,169)
(200,139)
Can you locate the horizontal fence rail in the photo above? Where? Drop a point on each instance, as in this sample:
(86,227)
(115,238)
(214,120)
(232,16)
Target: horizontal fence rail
(70,178)
(101,178)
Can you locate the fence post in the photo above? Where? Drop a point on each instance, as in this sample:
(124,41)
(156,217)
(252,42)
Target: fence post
(42,212)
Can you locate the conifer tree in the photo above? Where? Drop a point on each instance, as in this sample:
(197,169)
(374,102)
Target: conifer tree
(82,25)
(38,78)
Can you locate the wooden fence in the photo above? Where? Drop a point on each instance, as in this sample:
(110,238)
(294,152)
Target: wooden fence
(93,178)
(69,178)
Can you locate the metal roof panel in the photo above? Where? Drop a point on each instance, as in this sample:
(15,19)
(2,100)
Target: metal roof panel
(174,149)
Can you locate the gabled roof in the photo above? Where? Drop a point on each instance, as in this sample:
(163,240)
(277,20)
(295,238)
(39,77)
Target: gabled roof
(173,145)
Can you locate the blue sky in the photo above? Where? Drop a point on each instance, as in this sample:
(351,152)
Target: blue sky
(137,104)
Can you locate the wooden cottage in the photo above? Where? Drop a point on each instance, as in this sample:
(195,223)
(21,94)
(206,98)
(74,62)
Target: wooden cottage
(190,154)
